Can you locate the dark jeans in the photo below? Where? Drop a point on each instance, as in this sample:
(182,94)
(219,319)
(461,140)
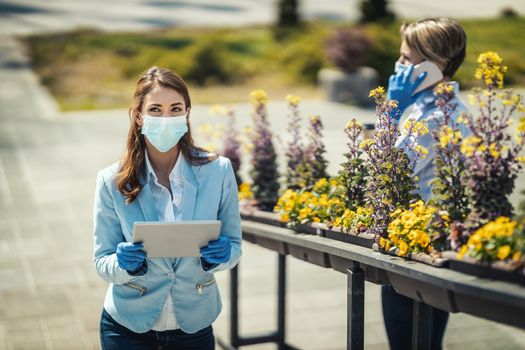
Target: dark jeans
(113,336)
(397,313)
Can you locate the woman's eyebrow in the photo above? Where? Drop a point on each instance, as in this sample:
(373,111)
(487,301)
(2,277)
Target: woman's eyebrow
(159,105)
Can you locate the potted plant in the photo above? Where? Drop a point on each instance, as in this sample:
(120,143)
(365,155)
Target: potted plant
(349,81)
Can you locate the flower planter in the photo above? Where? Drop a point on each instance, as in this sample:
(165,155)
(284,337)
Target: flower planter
(309,255)
(345,87)
(312,228)
(496,270)
(363,239)
(264,217)
(419,257)
(372,274)
(429,294)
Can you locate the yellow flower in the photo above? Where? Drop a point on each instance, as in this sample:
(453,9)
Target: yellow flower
(424,240)
(444,88)
(503,252)
(293,100)
(259,97)
(420,128)
(366,143)
(354,124)
(392,103)
(377,92)
(471,100)
(469,145)
(521,125)
(462,251)
(245,191)
(403,248)
(490,70)
(422,151)
(285,217)
(492,150)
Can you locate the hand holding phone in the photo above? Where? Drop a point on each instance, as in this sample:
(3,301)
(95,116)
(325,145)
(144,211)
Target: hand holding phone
(433,75)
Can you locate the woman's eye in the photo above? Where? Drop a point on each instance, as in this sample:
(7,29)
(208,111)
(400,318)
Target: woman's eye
(176,109)
(154,109)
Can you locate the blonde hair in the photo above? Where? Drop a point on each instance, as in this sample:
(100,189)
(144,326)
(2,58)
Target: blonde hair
(440,40)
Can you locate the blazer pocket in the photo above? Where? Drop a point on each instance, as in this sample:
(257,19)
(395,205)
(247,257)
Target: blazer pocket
(140,289)
(202,287)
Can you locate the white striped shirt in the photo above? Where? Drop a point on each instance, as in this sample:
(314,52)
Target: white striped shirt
(168,208)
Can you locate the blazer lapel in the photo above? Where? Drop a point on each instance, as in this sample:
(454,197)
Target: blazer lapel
(147,204)
(189,194)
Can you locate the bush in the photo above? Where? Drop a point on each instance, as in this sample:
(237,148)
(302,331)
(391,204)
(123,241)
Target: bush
(347,48)
(303,59)
(211,64)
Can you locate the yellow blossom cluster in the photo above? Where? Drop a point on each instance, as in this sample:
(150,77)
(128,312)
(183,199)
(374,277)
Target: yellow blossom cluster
(354,124)
(319,205)
(378,94)
(471,145)
(293,100)
(490,70)
(355,221)
(420,128)
(421,151)
(444,88)
(409,230)
(366,143)
(245,192)
(447,136)
(259,97)
(493,241)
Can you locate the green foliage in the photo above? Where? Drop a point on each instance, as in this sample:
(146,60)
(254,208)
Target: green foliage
(314,164)
(65,61)
(353,171)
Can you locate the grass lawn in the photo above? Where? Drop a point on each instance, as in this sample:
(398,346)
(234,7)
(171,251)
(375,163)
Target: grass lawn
(89,69)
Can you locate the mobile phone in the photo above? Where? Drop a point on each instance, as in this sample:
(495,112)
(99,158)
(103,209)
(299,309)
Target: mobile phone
(434,75)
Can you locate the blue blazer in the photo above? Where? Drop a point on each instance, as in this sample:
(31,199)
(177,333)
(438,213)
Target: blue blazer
(210,193)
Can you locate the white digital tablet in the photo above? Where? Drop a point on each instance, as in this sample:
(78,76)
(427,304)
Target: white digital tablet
(175,239)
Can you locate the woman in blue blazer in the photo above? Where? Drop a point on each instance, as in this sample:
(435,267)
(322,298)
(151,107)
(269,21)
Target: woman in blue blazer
(163,176)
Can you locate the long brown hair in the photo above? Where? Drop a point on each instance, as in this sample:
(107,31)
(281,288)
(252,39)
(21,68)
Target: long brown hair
(133,161)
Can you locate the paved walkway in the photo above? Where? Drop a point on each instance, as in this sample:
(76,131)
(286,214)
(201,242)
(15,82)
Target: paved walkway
(50,295)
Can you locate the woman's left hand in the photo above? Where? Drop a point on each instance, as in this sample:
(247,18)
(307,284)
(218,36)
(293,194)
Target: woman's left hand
(217,252)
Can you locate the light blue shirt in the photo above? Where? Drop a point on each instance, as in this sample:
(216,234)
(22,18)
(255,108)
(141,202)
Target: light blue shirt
(425,109)
(168,209)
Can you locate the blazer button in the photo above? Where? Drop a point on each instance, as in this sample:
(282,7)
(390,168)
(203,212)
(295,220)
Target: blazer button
(171,276)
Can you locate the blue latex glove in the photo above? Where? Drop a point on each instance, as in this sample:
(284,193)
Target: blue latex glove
(401,89)
(217,252)
(130,256)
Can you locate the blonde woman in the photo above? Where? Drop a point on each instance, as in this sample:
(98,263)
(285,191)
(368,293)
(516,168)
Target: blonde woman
(438,43)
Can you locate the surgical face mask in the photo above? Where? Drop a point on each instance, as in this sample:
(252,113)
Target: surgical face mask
(400,67)
(164,132)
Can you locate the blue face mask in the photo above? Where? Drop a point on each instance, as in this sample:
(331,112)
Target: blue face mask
(400,67)
(164,132)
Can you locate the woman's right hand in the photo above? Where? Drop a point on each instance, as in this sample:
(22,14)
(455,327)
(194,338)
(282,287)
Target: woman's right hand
(130,256)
